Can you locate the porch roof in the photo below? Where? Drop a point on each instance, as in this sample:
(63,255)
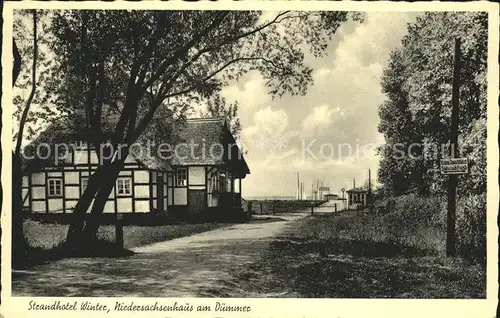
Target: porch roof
(357,190)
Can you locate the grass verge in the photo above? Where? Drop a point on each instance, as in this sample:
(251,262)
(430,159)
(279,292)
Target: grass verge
(46,241)
(355,257)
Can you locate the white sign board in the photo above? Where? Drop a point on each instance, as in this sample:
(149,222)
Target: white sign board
(454,166)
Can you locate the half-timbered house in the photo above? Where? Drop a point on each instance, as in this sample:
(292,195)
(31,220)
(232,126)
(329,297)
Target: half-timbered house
(201,176)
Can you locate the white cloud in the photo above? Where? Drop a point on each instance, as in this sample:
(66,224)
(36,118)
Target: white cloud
(266,123)
(250,92)
(320,118)
(346,95)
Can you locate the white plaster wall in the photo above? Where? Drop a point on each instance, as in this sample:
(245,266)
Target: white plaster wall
(25,181)
(71,177)
(141,206)
(196,175)
(38,206)
(93,157)
(180,196)
(109,207)
(169,196)
(70,204)
(130,159)
(154,190)
(38,192)
(197,187)
(124,205)
(54,174)
(55,205)
(38,178)
(72,192)
(27,201)
(141,176)
(80,156)
(141,191)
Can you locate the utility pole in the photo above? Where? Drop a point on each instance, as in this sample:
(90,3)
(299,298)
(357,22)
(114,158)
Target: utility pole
(298,196)
(369,187)
(452,178)
(317,189)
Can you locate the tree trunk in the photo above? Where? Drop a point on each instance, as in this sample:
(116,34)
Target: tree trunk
(91,227)
(82,235)
(19,245)
(75,230)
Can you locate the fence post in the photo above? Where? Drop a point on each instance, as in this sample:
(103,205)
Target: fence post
(261,208)
(119,231)
(335,207)
(312,209)
(274,212)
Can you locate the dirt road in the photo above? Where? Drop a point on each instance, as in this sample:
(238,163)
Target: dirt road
(193,266)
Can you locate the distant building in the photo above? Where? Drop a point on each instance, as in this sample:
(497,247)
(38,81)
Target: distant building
(322,191)
(356,197)
(331,197)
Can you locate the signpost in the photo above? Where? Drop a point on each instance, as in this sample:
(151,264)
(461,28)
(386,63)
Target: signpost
(454,166)
(451,167)
(119,231)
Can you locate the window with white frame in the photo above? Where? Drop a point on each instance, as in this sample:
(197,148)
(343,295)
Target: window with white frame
(181,177)
(84,182)
(222,181)
(55,187)
(123,186)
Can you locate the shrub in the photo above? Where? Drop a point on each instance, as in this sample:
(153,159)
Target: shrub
(411,212)
(421,221)
(471,227)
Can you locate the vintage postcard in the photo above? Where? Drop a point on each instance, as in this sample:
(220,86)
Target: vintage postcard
(249,159)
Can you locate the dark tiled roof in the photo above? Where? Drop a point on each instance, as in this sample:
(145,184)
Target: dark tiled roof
(69,131)
(203,140)
(208,141)
(205,133)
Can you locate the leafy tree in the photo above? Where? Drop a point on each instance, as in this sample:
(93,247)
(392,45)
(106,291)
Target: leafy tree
(19,244)
(149,65)
(417,84)
(218,107)
(32,107)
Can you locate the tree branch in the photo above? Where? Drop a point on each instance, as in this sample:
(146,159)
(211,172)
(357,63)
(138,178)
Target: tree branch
(33,87)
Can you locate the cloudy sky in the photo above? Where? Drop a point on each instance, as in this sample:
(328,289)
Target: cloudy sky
(304,134)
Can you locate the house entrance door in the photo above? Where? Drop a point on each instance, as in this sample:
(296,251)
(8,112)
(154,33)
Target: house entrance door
(196,201)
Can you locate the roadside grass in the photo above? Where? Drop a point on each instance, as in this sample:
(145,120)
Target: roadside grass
(345,256)
(46,241)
